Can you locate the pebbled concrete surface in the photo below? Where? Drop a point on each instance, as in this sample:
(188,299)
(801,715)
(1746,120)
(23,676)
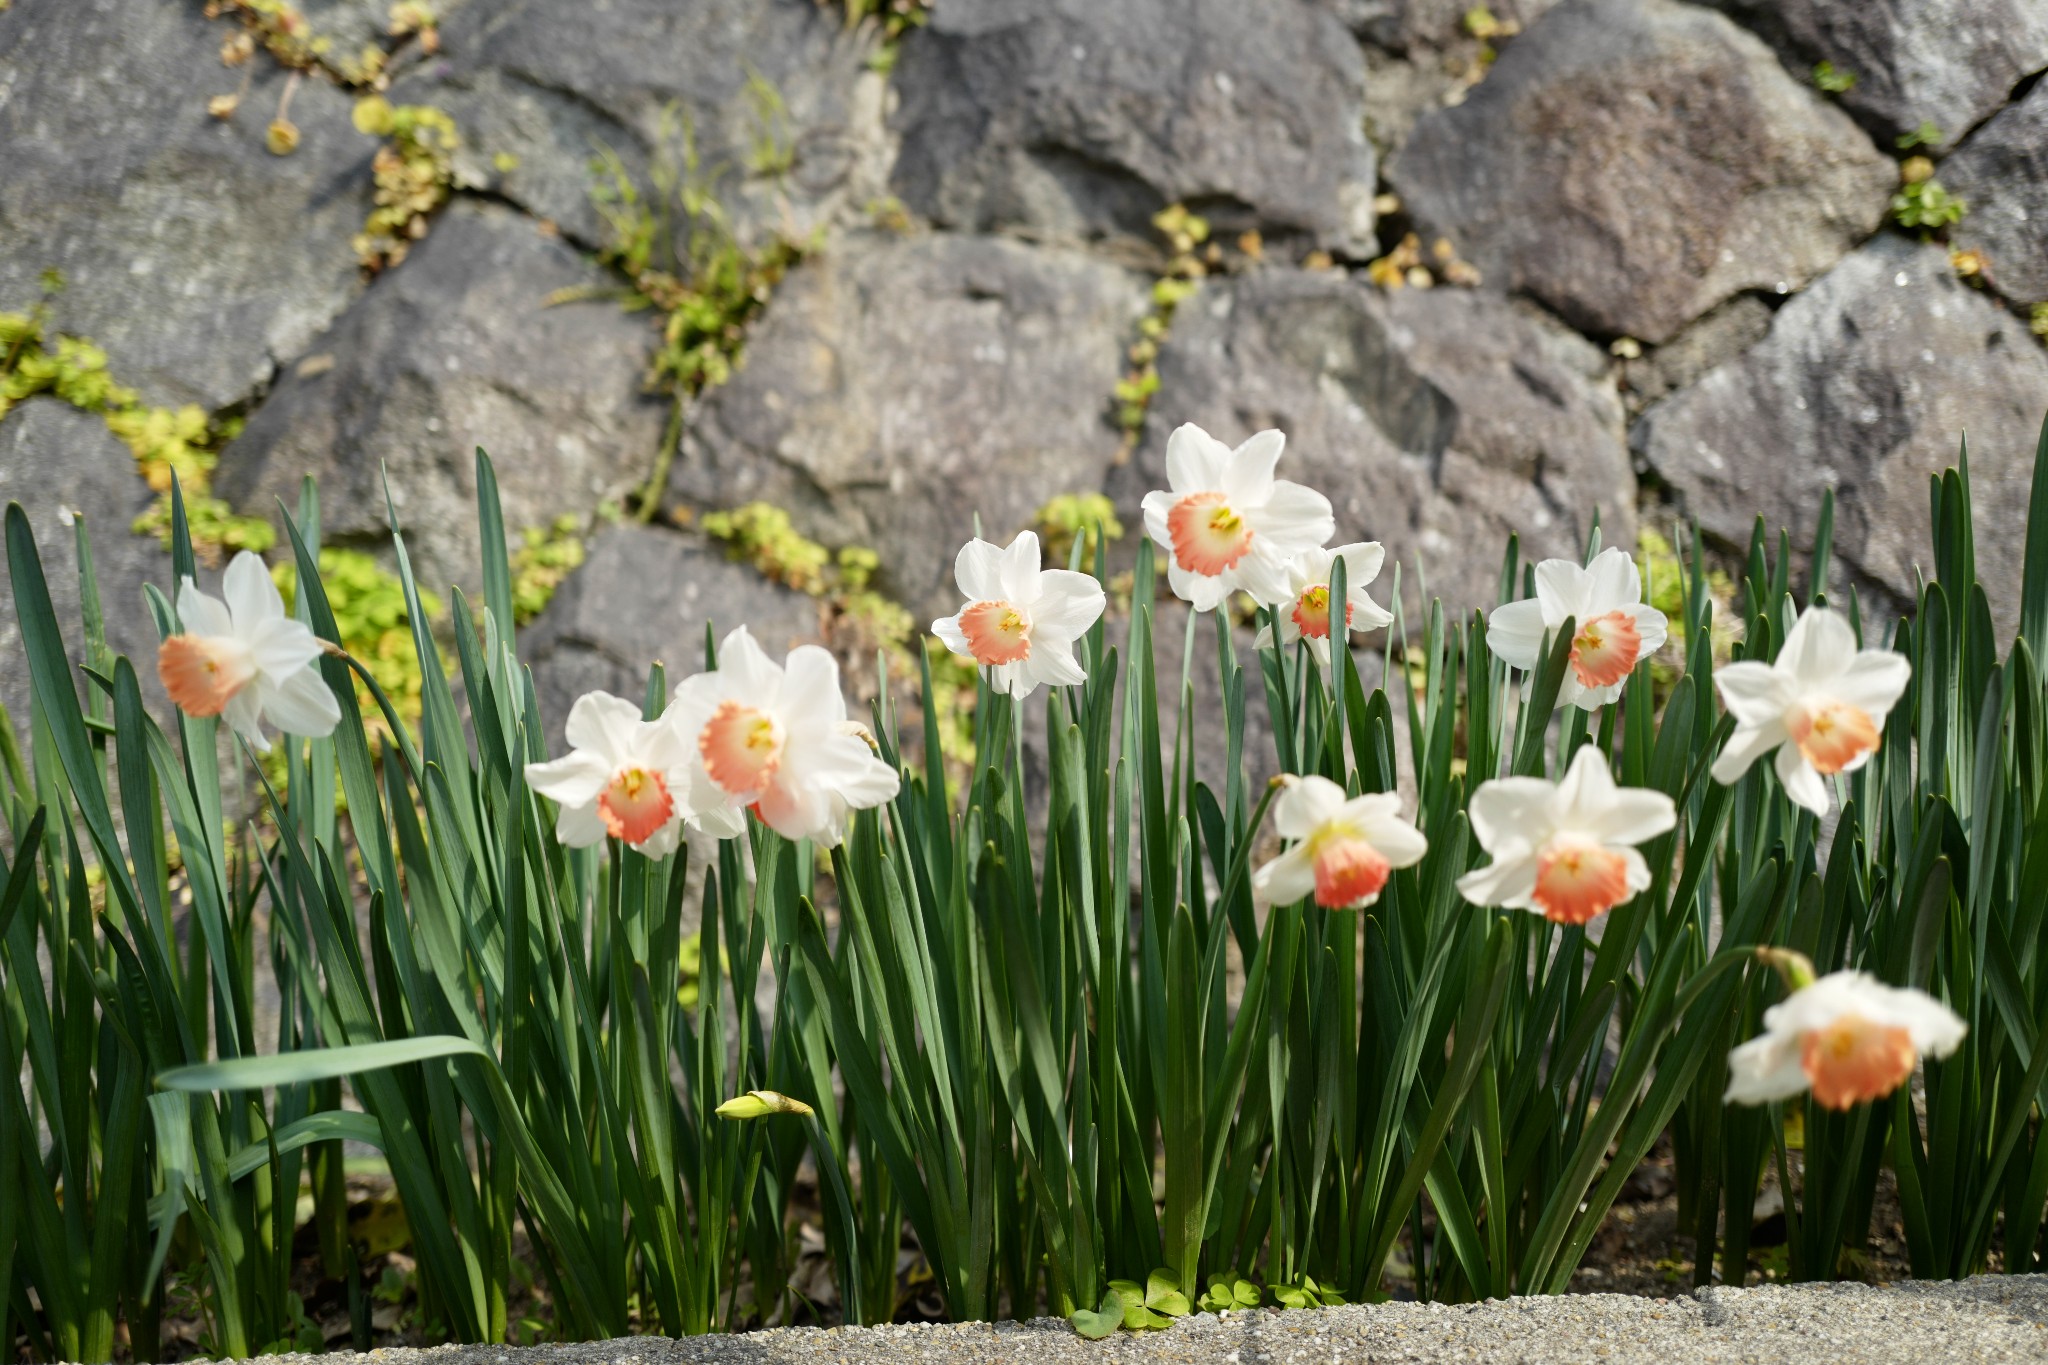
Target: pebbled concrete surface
(1990,1318)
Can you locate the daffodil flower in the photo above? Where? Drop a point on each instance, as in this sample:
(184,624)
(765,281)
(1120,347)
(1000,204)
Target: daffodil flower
(1020,621)
(775,738)
(1565,850)
(1344,850)
(246,660)
(1227,523)
(1821,704)
(1306,613)
(624,776)
(1614,630)
(1848,1036)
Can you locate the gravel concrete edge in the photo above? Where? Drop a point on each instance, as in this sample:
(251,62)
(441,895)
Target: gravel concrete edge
(1993,1318)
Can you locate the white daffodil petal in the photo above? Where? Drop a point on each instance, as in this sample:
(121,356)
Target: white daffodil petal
(200,614)
(1753,692)
(810,699)
(281,647)
(947,630)
(1937,1030)
(1362,562)
(1805,786)
(746,671)
(1248,474)
(1515,633)
(1018,570)
(1068,604)
(572,780)
(1399,842)
(1506,882)
(1561,589)
(251,595)
(978,569)
(1873,682)
(1745,747)
(580,826)
(662,842)
(1199,591)
(1195,460)
(720,822)
(605,725)
(1632,815)
(1305,803)
(1587,783)
(1818,647)
(1295,518)
(1053,661)
(1763,1069)
(1513,810)
(1612,581)
(1263,574)
(244,715)
(1157,505)
(1651,629)
(1286,879)
(302,704)
(1367,614)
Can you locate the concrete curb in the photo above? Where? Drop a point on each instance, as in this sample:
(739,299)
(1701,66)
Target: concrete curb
(1990,1318)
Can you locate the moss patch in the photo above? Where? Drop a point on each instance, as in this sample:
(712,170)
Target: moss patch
(180,444)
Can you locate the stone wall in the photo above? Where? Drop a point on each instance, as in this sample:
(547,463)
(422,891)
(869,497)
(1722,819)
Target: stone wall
(1666,274)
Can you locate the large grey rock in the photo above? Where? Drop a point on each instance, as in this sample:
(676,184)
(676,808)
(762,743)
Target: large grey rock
(458,349)
(60,464)
(195,257)
(774,96)
(1077,118)
(2002,174)
(1865,385)
(645,595)
(1945,62)
(1414,27)
(898,387)
(1436,423)
(1632,163)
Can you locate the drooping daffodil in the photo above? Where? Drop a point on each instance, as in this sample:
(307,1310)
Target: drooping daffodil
(245,660)
(1847,1036)
(1343,849)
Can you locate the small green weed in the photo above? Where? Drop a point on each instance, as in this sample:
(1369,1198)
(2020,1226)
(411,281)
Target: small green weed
(895,17)
(1926,135)
(1072,516)
(414,172)
(543,558)
(674,242)
(1185,233)
(1924,204)
(1832,79)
